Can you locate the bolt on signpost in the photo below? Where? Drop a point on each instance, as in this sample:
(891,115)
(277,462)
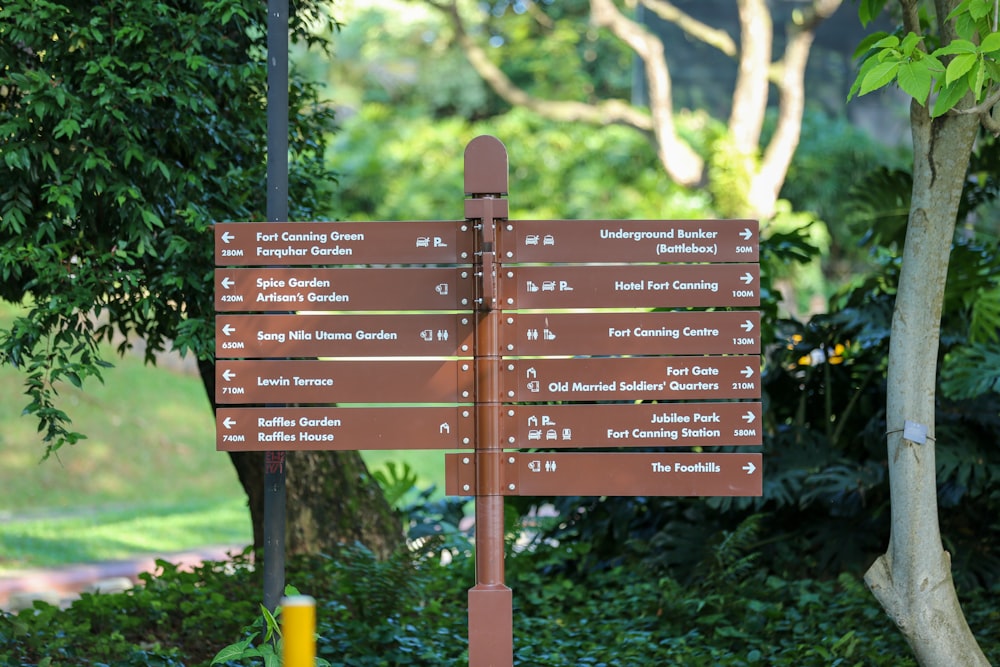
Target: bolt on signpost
(540,335)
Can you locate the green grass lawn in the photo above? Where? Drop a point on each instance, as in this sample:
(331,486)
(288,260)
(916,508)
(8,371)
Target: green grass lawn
(146,480)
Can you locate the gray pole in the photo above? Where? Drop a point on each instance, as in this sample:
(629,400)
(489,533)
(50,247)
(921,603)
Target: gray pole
(277,211)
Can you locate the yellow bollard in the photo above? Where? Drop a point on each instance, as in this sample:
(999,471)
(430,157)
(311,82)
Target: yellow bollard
(298,631)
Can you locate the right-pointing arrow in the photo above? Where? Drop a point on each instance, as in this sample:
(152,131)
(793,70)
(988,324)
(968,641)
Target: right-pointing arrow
(749,417)
(749,467)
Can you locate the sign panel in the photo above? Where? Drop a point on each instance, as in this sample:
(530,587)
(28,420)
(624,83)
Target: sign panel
(582,425)
(403,335)
(631,286)
(341,243)
(283,289)
(311,381)
(614,474)
(335,428)
(678,332)
(616,241)
(631,378)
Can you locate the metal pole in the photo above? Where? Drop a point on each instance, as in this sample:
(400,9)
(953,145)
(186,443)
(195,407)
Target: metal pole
(490,601)
(277,211)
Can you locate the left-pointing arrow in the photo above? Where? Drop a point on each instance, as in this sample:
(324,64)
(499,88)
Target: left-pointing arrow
(750,467)
(228,375)
(227,237)
(228,282)
(229,329)
(229,422)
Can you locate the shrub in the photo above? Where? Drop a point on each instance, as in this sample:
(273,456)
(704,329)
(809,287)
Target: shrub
(411,610)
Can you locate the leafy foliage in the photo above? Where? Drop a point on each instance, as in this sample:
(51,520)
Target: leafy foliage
(395,168)
(128,129)
(973,59)
(269,646)
(623,616)
(823,179)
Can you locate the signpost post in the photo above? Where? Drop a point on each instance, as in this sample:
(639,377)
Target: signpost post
(277,210)
(490,335)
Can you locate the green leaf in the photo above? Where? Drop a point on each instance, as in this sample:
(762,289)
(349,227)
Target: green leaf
(915,79)
(233,651)
(980,80)
(961,8)
(959,67)
(910,43)
(948,97)
(990,43)
(879,76)
(74,379)
(273,627)
(132,153)
(868,10)
(985,324)
(887,42)
(971,371)
(956,47)
(868,43)
(67,127)
(15,159)
(966,26)
(980,8)
(49,162)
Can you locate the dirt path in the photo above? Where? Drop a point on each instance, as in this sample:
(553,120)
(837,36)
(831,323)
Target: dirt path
(61,585)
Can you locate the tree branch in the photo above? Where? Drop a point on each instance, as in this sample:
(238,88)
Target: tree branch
(603,113)
(746,119)
(714,37)
(680,161)
(991,122)
(790,81)
(983,107)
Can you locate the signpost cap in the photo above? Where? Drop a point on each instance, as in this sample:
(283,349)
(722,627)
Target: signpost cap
(485,166)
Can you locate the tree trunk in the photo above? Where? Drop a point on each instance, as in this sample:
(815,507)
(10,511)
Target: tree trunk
(788,75)
(912,580)
(746,120)
(331,499)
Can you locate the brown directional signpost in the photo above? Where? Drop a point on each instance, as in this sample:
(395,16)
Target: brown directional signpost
(489,335)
